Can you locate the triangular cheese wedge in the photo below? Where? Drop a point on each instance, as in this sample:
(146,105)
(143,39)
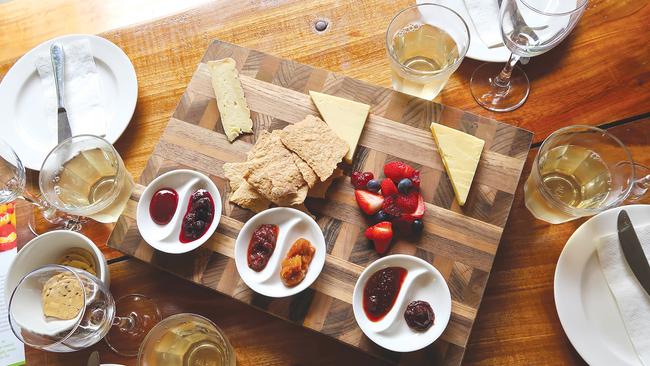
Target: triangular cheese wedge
(460,153)
(345,117)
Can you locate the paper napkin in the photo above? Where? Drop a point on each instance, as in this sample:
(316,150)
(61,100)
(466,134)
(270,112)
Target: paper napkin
(633,302)
(82,94)
(485,17)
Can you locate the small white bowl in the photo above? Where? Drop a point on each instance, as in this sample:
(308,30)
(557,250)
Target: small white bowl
(47,249)
(166,238)
(423,282)
(293,224)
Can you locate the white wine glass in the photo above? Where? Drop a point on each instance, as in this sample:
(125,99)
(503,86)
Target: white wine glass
(99,315)
(13,182)
(529,28)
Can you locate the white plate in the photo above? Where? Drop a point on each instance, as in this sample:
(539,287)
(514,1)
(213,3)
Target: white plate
(585,305)
(166,238)
(477,49)
(21,97)
(423,282)
(293,224)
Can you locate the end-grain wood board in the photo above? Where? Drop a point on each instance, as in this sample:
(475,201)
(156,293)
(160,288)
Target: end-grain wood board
(460,241)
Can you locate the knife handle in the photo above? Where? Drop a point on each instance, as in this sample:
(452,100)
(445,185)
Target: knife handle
(58,60)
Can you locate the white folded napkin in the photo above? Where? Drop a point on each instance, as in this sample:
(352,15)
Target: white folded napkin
(485,17)
(82,90)
(633,302)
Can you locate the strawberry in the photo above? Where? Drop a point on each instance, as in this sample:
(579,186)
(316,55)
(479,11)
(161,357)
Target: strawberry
(381,235)
(369,202)
(388,187)
(417,213)
(391,207)
(408,202)
(360,180)
(397,170)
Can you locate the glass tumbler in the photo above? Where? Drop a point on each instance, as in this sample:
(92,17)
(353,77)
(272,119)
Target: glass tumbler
(426,43)
(581,171)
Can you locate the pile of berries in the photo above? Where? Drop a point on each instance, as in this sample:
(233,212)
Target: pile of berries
(394,201)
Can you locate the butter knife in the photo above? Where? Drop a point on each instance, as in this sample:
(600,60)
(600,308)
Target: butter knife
(632,251)
(58,61)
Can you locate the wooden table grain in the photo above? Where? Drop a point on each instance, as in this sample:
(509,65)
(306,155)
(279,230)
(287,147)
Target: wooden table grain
(598,76)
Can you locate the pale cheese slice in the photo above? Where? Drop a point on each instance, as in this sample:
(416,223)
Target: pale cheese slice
(460,153)
(235,115)
(345,117)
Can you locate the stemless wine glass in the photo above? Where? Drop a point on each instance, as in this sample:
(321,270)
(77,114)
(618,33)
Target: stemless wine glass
(186,340)
(97,318)
(85,176)
(13,186)
(529,28)
(581,171)
(426,43)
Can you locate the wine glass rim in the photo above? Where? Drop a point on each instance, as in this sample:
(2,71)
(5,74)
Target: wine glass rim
(549,13)
(80,316)
(461,57)
(584,211)
(93,207)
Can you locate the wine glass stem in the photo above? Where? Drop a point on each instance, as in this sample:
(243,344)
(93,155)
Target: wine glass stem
(503,79)
(125,323)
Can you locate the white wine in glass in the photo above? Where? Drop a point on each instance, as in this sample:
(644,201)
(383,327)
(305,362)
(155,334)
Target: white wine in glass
(529,28)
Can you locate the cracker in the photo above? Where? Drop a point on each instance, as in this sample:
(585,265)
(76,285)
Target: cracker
(247,197)
(307,172)
(320,189)
(294,199)
(234,172)
(62,297)
(262,141)
(317,144)
(273,173)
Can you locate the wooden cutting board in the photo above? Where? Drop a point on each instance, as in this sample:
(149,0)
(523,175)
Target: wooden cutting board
(461,242)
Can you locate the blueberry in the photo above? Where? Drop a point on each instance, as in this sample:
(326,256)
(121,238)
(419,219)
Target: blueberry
(404,185)
(382,216)
(373,185)
(417,226)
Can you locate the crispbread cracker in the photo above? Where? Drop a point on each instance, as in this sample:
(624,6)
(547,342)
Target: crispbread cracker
(62,297)
(294,199)
(273,173)
(307,172)
(262,140)
(234,172)
(320,189)
(315,142)
(247,197)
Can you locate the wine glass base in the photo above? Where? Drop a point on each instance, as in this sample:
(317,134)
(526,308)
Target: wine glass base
(145,314)
(499,99)
(39,225)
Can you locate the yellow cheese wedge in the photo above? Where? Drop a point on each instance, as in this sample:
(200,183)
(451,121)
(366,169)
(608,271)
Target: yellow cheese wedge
(345,117)
(460,153)
(235,115)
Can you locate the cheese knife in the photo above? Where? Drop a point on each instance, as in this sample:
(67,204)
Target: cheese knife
(58,61)
(632,250)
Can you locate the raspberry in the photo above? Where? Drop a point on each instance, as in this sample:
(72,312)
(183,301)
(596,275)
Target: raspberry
(408,202)
(360,180)
(391,207)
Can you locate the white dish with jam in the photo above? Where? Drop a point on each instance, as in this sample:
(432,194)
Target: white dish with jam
(291,226)
(169,235)
(421,282)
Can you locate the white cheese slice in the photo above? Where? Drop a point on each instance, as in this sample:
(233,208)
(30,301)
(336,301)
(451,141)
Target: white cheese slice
(460,153)
(345,117)
(235,115)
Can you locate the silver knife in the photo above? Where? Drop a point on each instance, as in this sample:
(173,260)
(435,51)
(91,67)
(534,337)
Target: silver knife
(58,61)
(93,360)
(632,251)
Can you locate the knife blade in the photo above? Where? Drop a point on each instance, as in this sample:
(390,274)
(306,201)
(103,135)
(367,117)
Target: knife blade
(632,251)
(93,360)
(58,61)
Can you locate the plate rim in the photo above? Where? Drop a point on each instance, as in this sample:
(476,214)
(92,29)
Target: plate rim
(570,325)
(125,75)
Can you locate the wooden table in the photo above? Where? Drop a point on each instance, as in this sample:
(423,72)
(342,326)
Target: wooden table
(598,76)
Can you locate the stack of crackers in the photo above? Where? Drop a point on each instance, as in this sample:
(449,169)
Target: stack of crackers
(62,297)
(286,166)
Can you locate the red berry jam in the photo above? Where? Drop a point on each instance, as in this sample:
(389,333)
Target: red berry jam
(199,215)
(261,246)
(381,291)
(419,315)
(163,206)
